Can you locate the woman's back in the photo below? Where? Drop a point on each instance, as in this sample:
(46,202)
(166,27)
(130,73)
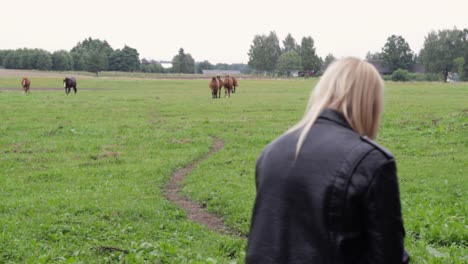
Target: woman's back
(322,207)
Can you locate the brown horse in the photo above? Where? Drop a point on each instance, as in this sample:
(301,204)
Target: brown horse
(26,83)
(234,84)
(227,86)
(221,86)
(215,86)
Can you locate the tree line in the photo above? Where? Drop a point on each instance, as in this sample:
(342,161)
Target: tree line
(268,57)
(444,52)
(91,55)
(95,55)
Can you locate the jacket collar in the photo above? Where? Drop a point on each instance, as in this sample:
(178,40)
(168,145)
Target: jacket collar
(334,116)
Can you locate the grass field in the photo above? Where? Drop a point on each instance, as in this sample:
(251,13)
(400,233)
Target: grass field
(81,176)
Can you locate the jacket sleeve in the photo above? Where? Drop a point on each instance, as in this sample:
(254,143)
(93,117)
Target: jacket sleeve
(257,171)
(384,224)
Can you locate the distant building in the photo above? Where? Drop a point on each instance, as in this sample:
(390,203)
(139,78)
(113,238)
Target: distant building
(418,68)
(380,66)
(220,72)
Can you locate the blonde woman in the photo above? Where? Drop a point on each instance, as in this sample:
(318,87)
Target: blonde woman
(327,193)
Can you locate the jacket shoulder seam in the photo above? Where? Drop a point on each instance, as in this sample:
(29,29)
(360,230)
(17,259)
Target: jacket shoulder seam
(383,150)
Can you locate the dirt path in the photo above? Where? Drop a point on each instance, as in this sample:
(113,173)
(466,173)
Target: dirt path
(194,211)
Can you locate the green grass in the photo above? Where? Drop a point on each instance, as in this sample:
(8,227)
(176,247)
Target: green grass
(84,171)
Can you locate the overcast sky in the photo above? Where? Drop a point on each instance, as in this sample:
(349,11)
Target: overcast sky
(222,31)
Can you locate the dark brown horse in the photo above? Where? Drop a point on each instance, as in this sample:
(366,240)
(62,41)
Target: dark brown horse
(221,86)
(26,83)
(234,84)
(215,86)
(227,86)
(69,83)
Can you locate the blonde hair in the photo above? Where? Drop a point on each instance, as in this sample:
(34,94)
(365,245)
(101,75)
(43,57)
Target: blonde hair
(352,87)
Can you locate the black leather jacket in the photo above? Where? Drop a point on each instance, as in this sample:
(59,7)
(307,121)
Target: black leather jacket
(338,202)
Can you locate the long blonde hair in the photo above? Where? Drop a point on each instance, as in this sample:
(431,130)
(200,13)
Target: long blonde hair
(352,87)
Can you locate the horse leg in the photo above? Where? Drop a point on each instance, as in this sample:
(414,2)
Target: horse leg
(74,89)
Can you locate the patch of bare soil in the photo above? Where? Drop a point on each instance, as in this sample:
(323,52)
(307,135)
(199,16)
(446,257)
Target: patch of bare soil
(194,211)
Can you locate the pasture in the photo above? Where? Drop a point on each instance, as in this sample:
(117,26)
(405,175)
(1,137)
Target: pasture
(82,176)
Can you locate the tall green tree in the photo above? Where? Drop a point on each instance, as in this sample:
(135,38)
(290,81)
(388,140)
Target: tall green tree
(397,53)
(273,48)
(257,56)
(42,60)
(183,63)
(310,60)
(95,61)
(83,49)
(288,62)
(126,59)
(62,60)
(264,53)
(440,50)
(289,43)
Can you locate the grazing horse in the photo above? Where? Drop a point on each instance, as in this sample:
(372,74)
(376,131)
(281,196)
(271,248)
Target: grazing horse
(215,86)
(69,83)
(26,83)
(221,86)
(234,84)
(227,86)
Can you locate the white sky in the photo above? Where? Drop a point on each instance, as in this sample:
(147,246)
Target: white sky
(222,31)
